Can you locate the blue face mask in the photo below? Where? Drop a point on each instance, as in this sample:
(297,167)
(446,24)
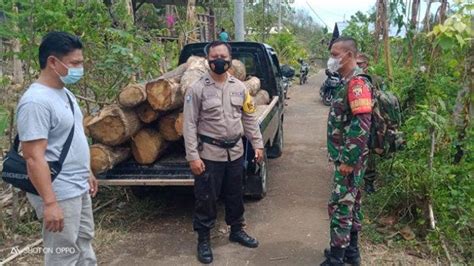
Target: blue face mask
(74,74)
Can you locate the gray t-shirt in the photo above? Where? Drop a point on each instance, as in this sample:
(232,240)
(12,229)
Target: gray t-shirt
(45,113)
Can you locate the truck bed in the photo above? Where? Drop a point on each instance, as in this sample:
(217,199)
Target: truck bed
(172,168)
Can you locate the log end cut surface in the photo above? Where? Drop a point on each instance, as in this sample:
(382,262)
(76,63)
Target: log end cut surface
(147,145)
(132,95)
(113,126)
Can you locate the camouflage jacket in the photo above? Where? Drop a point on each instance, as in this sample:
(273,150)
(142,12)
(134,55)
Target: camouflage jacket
(349,121)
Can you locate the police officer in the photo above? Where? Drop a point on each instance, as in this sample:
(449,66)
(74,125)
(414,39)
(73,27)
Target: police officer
(348,132)
(217,113)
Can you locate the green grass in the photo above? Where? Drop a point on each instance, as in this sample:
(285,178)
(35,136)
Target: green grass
(3,120)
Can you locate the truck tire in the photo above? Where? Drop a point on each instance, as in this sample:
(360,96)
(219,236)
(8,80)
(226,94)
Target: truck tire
(276,149)
(256,184)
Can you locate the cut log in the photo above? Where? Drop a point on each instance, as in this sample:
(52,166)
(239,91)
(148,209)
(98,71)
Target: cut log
(132,95)
(104,157)
(85,122)
(164,94)
(178,125)
(176,73)
(197,67)
(147,146)
(167,127)
(146,113)
(238,70)
(252,85)
(114,125)
(262,98)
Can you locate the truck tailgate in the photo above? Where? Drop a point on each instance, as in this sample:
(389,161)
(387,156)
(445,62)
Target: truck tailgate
(170,170)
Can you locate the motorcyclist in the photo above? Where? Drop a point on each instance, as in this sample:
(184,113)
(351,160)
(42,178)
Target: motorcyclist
(304,70)
(326,91)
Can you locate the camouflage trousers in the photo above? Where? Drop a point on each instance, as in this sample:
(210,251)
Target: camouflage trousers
(344,207)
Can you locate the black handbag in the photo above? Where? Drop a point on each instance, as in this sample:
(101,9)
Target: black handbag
(14,165)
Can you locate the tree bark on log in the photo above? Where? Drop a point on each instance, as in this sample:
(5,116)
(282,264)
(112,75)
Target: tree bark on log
(132,95)
(178,125)
(104,157)
(176,73)
(197,67)
(238,70)
(164,94)
(146,113)
(147,146)
(85,122)
(252,85)
(114,125)
(262,98)
(167,127)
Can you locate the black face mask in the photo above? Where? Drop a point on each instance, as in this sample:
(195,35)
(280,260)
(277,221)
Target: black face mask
(220,65)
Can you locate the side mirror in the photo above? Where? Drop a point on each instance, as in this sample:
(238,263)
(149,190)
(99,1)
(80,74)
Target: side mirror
(287,71)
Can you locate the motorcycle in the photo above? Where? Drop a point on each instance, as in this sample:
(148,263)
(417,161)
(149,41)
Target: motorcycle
(304,70)
(287,77)
(326,92)
(286,84)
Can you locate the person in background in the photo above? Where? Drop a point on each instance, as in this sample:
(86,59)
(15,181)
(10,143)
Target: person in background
(370,174)
(224,36)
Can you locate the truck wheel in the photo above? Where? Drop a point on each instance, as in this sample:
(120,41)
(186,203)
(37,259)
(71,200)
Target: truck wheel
(256,184)
(276,149)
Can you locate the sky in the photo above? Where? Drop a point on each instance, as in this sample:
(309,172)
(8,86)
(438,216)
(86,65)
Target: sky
(332,11)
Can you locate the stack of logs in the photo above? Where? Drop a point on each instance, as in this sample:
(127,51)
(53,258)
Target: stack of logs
(148,116)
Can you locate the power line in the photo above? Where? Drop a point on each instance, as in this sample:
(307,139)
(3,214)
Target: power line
(317,14)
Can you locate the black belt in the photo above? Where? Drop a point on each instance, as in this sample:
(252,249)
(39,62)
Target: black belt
(226,144)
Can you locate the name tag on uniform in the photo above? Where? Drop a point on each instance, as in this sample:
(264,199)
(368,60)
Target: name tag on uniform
(237,93)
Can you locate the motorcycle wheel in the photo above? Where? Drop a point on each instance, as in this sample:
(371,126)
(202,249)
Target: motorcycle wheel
(327,99)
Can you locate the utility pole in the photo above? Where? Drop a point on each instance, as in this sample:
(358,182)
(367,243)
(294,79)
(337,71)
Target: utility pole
(239,20)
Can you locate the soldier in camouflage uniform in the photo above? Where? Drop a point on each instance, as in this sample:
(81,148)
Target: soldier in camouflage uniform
(348,132)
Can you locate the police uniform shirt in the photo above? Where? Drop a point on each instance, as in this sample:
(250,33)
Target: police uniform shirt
(217,112)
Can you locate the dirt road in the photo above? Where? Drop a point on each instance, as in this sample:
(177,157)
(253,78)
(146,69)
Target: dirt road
(290,223)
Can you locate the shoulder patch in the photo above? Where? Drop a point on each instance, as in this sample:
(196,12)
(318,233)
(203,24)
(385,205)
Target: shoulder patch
(359,96)
(249,105)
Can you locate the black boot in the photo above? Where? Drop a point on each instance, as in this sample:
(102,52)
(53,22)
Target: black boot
(334,257)
(204,251)
(352,255)
(240,236)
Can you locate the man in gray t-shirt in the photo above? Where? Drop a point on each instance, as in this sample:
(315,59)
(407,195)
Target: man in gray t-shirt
(44,120)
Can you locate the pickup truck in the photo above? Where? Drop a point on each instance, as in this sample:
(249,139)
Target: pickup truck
(172,169)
